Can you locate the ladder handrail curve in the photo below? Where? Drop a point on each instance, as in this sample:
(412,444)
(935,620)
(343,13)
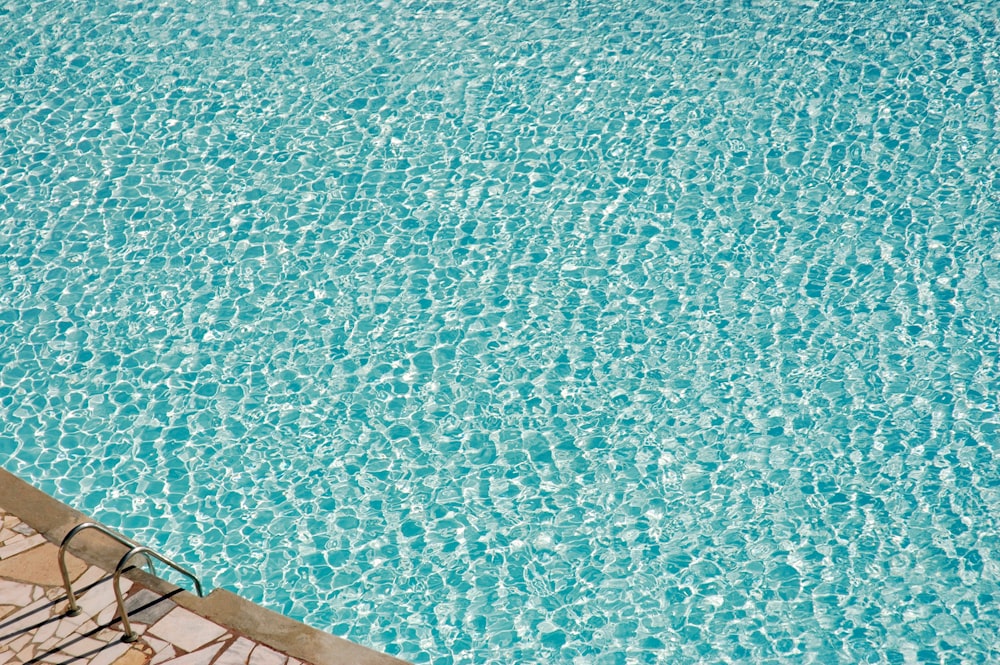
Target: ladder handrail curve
(120,568)
(73,608)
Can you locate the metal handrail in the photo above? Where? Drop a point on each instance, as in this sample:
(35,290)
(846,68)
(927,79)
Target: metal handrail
(120,568)
(74,609)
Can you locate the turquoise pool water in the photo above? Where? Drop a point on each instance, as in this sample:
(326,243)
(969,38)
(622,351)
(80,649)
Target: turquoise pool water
(533,332)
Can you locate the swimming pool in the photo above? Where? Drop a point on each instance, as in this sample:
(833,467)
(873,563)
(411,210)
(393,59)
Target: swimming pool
(552,332)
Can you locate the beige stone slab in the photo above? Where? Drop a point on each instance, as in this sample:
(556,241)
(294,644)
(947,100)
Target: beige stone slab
(186,629)
(40,565)
(262,655)
(22,545)
(11,537)
(23,529)
(53,657)
(107,615)
(238,652)
(27,653)
(14,593)
(6,609)
(29,617)
(156,645)
(92,575)
(101,597)
(50,644)
(18,643)
(79,646)
(81,623)
(109,633)
(163,655)
(111,653)
(134,656)
(200,657)
(46,632)
(56,594)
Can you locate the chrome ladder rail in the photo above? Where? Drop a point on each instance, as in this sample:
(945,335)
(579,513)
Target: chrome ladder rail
(120,568)
(74,609)
(135,549)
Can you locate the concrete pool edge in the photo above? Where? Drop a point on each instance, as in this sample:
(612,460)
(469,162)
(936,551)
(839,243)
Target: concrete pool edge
(53,519)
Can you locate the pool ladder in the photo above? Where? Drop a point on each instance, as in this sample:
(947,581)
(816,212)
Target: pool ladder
(135,550)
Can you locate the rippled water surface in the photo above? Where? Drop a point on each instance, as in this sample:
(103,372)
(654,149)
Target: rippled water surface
(563,332)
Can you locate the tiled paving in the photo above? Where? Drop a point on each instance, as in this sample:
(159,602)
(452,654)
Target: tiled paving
(34,627)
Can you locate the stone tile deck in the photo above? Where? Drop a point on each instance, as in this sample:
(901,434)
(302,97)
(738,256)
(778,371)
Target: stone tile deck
(35,629)
(174,627)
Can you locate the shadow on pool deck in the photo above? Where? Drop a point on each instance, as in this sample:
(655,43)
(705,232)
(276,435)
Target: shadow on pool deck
(35,629)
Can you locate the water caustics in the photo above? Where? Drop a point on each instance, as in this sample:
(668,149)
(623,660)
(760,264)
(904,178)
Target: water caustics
(482,332)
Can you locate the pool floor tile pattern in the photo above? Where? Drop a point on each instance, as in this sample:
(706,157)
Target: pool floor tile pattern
(34,628)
